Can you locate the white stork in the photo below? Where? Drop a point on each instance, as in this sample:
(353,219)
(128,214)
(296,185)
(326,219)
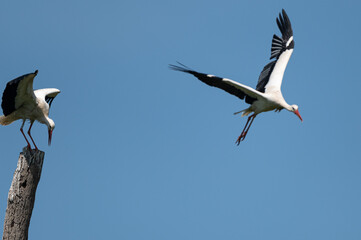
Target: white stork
(20,101)
(267,96)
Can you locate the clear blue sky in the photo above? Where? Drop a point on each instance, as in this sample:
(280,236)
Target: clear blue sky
(142,152)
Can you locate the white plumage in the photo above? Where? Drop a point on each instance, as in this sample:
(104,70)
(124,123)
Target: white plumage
(267,96)
(20,101)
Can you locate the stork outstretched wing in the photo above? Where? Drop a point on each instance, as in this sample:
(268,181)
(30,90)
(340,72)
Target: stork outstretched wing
(17,92)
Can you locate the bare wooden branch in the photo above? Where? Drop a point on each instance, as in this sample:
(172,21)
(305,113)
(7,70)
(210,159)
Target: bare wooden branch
(21,196)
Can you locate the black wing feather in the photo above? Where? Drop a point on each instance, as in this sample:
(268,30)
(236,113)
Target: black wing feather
(10,92)
(214,81)
(49,100)
(264,76)
(279,45)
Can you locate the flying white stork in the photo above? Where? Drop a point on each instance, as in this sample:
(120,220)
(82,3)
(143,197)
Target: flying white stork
(20,101)
(267,96)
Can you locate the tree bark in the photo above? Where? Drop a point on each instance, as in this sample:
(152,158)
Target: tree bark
(21,196)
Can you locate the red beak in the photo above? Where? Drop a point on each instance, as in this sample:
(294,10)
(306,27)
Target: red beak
(298,114)
(50,132)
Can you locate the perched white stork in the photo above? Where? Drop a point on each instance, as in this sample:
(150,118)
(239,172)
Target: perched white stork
(267,96)
(20,101)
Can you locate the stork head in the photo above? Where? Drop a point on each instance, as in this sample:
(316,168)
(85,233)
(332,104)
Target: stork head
(294,109)
(51,126)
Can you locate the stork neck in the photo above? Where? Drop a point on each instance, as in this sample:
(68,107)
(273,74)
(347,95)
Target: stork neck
(50,123)
(285,105)
(289,108)
(46,120)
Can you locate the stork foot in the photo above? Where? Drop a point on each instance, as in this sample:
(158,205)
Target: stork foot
(240,138)
(30,149)
(245,129)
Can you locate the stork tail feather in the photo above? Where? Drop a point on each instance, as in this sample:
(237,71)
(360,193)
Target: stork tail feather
(245,112)
(6,120)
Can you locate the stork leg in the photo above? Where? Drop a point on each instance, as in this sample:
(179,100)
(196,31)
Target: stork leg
(245,129)
(21,130)
(31,124)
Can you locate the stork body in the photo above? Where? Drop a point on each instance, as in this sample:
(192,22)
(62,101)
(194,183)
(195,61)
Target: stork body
(20,101)
(267,96)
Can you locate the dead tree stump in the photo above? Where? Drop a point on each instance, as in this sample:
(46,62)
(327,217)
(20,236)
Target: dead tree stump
(21,196)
